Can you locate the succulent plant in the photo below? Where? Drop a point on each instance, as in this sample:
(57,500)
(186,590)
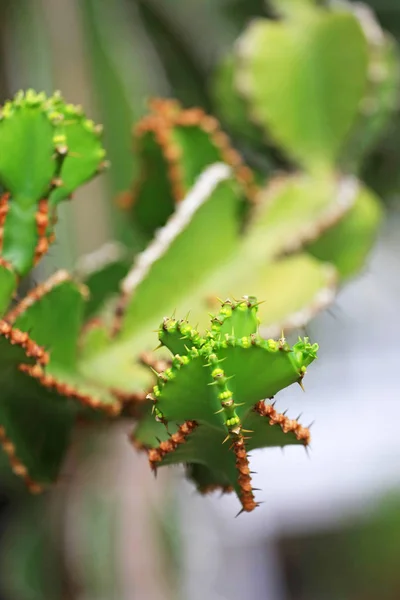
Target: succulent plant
(216,387)
(74,346)
(49,149)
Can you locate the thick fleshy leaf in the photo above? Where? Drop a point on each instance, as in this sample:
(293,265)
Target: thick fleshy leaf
(34,133)
(27,162)
(290,73)
(175,146)
(86,155)
(53,315)
(216,390)
(34,424)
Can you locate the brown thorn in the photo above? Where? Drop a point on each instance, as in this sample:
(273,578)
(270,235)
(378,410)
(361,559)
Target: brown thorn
(244,478)
(17,465)
(22,339)
(156,455)
(287,425)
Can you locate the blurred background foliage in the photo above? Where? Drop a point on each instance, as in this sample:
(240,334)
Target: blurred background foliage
(111,56)
(107,54)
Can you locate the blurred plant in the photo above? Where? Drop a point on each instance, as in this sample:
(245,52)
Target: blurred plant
(77,348)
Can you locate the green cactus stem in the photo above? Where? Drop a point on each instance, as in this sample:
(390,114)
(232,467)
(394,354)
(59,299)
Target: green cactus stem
(175,146)
(215,387)
(51,149)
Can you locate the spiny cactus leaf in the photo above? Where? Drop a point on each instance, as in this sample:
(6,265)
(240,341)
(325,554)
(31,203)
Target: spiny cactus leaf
(175,146)
(214,389)
(8,285)
(28,161)
(86,155)
(34,425)
(53,314)
(289,73)
(34,133)
(359,228)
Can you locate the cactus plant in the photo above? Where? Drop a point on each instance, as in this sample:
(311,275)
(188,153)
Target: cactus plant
(216,386)
(67,356)
(210,226)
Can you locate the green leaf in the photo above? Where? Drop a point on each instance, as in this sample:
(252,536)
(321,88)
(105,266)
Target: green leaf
(34,425)
(27,134)
(53,315)
(214,389)
(34,132)
(290,73)
(175,146)
(86,155)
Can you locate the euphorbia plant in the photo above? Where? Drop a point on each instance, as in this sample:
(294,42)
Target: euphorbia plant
(210,227)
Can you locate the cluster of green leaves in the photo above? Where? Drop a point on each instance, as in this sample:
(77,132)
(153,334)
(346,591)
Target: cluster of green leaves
(209,226)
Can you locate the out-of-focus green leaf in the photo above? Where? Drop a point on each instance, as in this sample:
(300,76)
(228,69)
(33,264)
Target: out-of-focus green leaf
(290,73)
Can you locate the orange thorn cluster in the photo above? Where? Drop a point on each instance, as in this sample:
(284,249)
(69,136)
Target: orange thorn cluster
(68,390)
(42,223)
(244,479)
(287,425)
(157,454)
(36,294)
(168,114)
(21,338)
(17,465)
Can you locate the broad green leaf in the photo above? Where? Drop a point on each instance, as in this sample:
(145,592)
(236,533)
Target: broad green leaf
(32,418)
(27,162)
(54,319)
(86,155)
(293,77)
